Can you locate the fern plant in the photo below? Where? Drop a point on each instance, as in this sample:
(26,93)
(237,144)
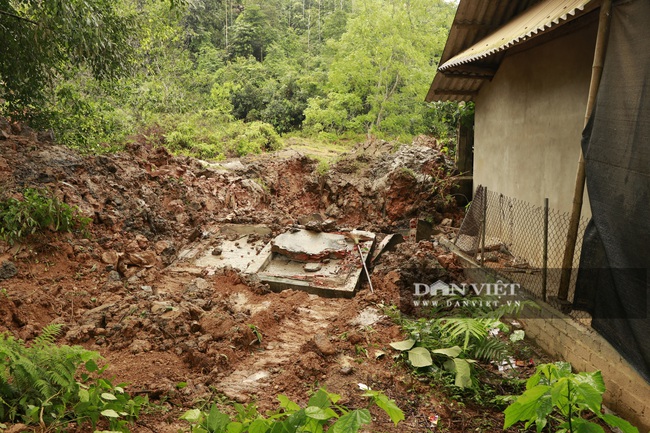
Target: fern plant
(42,384)
(455,343)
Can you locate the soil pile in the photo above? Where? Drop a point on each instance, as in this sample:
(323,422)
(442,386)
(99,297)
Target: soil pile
(224,335)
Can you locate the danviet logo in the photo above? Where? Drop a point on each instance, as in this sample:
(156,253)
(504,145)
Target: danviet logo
(479,294)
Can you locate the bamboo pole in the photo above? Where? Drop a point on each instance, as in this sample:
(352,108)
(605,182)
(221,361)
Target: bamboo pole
(574,223)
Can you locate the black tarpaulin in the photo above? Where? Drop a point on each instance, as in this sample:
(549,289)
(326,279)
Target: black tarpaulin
(613,278)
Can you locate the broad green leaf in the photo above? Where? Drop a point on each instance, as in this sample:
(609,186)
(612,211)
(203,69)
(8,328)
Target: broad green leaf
(217,421)
(589,389)
(107,396)
(351,422)
(235,427)
(390,407)
(291,424)
(316,412)
(560,395)
(582,426)
(463,373)
(517,335)
(91,366)
(192,415)
(84,396)
(288,404)
(258,426)
(451,352)
(110,413)
(334,398)
(319,399)
(620,423)
(543,410)
(420,357)
(524,408)
(403,345)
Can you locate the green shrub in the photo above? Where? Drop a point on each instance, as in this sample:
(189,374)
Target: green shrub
(39,385)
(556,396)
(38,211)
(322,410)
(257,137)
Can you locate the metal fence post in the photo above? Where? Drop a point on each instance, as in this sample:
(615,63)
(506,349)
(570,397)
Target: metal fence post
(545,255)
(483,225)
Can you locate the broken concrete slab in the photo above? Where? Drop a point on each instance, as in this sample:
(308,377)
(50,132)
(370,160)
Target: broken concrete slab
(387,244)
(337,277)
(231,245)
(310,246)
(333,264)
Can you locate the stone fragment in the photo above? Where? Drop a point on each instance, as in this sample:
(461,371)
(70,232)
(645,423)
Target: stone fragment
(313,267)
(7,270)
(324,345)
(110,257)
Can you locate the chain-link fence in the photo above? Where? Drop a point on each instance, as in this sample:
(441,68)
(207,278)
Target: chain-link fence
(521,242)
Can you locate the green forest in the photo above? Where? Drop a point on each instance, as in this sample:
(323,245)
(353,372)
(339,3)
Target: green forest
(217,78)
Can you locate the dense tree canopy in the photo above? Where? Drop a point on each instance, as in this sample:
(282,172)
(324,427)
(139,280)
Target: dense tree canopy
(41,40)
(200,66)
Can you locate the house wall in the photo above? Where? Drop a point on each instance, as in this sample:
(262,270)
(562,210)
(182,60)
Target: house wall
(528,128)
(529,121)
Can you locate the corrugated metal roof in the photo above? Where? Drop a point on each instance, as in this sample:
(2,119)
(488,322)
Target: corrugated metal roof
(480,20)
(538,18)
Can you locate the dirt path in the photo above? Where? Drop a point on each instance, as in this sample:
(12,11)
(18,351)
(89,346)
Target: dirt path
(252,375)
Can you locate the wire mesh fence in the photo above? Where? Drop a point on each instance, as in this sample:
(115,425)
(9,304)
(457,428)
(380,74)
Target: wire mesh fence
(521,242)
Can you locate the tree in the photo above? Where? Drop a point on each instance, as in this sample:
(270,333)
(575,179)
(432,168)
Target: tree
(386,58)
(41,40)
(251,34)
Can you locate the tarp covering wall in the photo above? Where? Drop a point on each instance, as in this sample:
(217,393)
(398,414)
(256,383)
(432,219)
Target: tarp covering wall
(613,277)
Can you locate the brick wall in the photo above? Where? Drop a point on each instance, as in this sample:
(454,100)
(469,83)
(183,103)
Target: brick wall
(628,394)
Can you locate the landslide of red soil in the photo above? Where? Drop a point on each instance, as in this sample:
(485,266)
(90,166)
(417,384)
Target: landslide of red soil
(157,329)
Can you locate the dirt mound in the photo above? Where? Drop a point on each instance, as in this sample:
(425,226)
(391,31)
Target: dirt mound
(189,337)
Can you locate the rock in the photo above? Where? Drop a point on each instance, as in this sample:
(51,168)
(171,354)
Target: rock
(324,345)
(421,230)
(145,259)
(114,276)
(332,211)
(446,222)
(202,284)
(313,267)
(142,241)
(306,219)
(217,251)
(7,270)
(160,307)
(328,225)
(139,346)
(346,364)
(314,226)
(355,337)
(161,246)
(110,257)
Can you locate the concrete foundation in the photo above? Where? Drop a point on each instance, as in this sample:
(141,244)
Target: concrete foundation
(282,264)
(325,264)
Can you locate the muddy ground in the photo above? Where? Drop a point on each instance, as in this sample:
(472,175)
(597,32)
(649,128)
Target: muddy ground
(114,291)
